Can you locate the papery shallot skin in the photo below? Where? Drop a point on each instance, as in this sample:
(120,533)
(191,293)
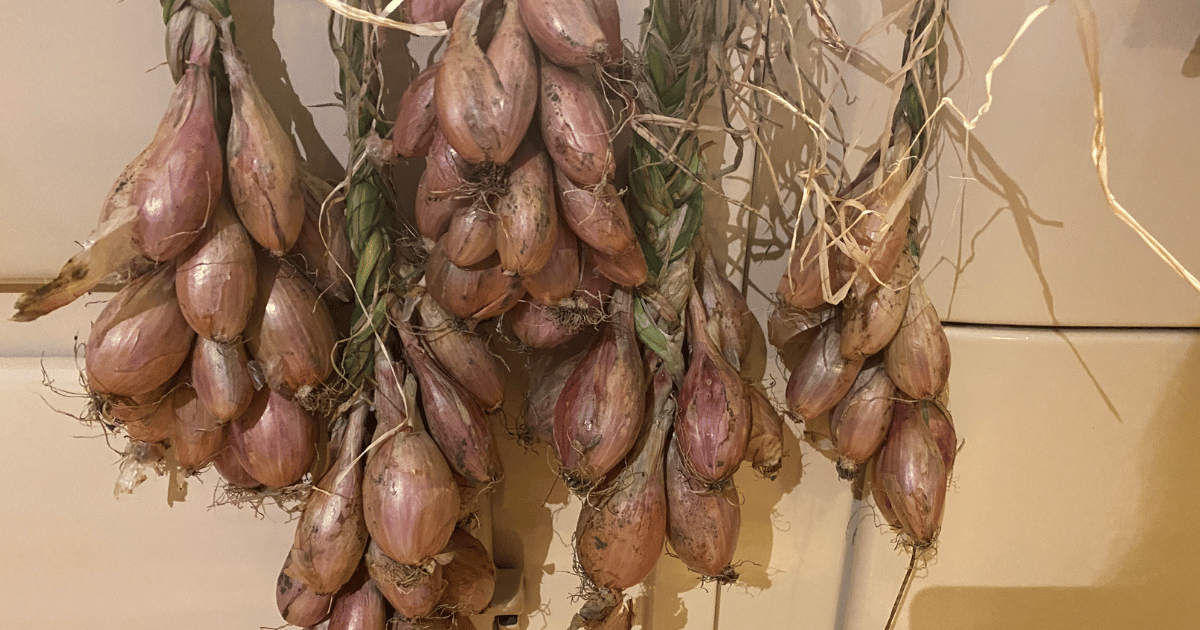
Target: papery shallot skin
(359,605)
(877,243)
(275,440)
(859,423)
(264,173)
(416,117)
(527,231)
(463,355)
(215,279)
(513,56)
(470,575)
(180,184)
(714,420)
(575,126)
(912,474)
(621,529)
(547,377)
(801,285)
(332,533)
(869,322)
(410,500)
(702,527)
(822,377)
(941,427)
(323,247)
(469,96)
(600,410)
(567,32)
(765,449)
(291,331)
(298,604)
(455,421)
(140,340)
(412,591)
(918,357)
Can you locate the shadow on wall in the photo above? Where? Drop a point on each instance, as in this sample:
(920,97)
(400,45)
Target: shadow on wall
(1152,586)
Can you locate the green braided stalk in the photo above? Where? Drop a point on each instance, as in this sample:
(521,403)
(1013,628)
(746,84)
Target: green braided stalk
(369,215)
(666,166)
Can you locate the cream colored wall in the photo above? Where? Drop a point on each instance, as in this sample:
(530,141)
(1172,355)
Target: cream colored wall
(1070,503)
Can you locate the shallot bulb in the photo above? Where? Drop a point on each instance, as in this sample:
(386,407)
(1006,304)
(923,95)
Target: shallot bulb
(275,440)
(575,126)
(547,377)
(822,377)
(869,322)
(180,183)
(726,307)
(145,417)
(410,499)
(598,218)
(801,285)
(228,466)
(912,474)
(298,604)
(198,434)
(528,225)
(600,410)
(714,420)
(512,55)
(702,527)
(559,277)
(412,590)
(765,449)
(323,246)
(215,280)
(787,325)
(264,173)
(359,605)
(470,575)
(416,117)
(465,356)
(470,294)
(291,331)
(620,533)
(859,423)
(874,242)
(567,32)
(140,340)
(627,269)
(470,236)
(221,376)
(918,357)
(469,94)
(455,420)
(332,534)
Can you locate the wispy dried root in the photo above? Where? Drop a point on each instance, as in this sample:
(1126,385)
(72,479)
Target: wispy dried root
(290,499)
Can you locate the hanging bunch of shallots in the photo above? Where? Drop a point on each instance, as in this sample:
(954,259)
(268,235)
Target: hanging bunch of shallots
(874,355)
(220,333)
